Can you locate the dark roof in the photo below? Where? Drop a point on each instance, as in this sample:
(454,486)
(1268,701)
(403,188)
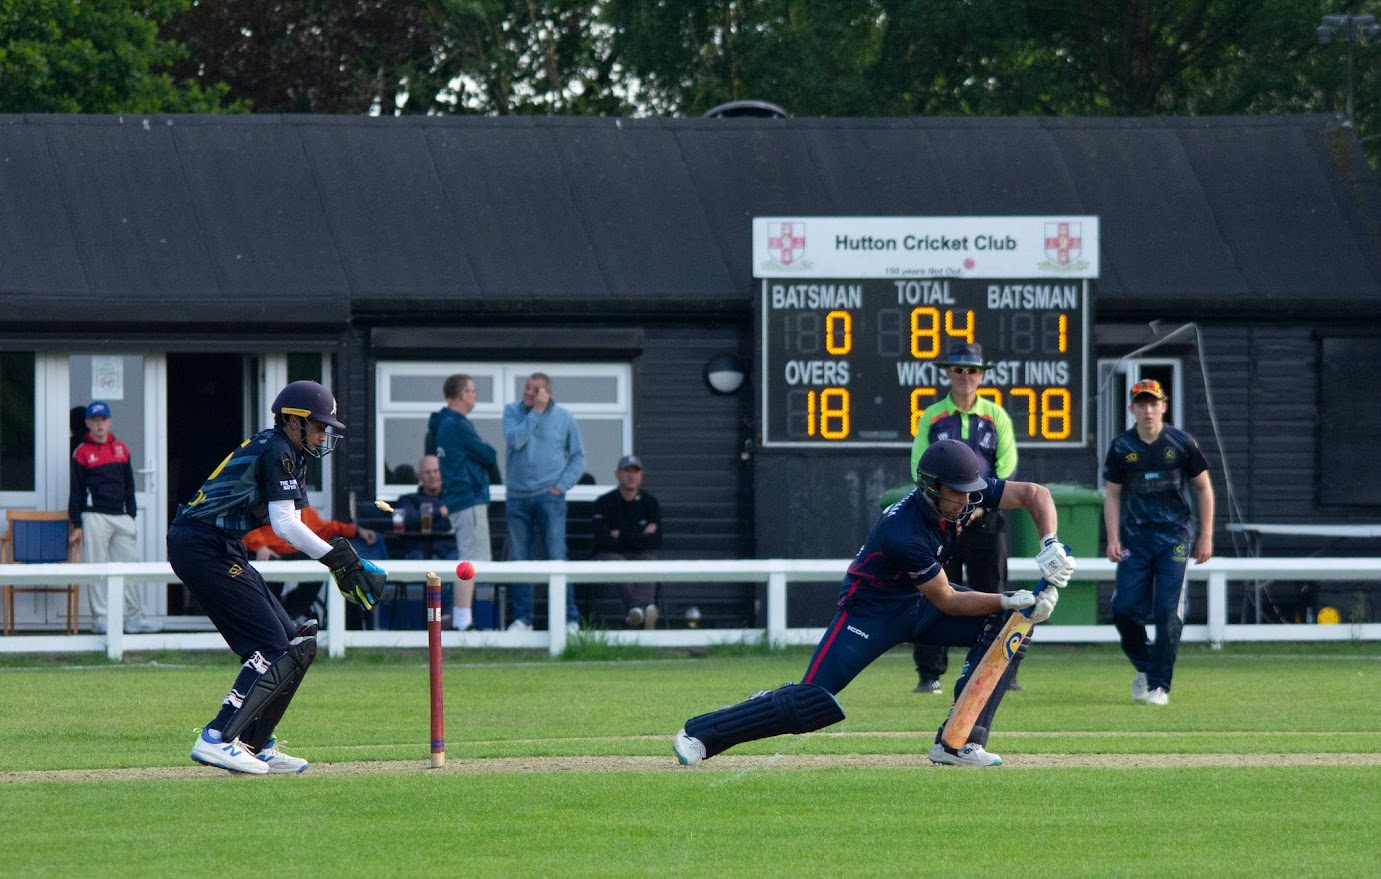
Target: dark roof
(260,218)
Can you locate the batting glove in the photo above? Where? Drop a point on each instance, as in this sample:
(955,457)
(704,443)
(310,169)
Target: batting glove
(1055,564)
(1045,605)
(1019,600)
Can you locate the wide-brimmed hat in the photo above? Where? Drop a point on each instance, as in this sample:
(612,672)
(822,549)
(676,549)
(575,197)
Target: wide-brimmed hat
(1147,388)
(965,354)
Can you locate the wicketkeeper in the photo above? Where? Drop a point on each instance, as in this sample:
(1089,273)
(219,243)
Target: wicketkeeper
(896,591)
(261,482)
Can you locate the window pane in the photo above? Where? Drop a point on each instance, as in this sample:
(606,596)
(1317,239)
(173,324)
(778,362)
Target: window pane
(126,403)
(603,441)
(416,389)
(490,429)
(17,404)
(585,389)
(1347,428)
(403,440)
(574,389)
(304,367)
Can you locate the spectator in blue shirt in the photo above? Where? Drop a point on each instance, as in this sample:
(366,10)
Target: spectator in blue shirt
(544,459)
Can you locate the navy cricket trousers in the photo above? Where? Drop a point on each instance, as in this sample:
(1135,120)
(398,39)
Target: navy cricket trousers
(1151,588)
(215,568)
(869,626)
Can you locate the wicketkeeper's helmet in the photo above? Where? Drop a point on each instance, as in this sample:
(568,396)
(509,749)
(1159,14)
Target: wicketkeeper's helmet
(311,402)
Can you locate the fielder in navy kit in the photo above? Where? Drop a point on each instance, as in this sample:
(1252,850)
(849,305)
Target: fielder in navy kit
(1148,523)
(262,482)
(896,591)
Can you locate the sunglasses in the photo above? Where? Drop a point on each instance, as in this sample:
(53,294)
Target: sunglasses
(966,370)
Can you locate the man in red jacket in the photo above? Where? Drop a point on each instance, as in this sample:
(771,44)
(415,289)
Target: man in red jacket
(100,506)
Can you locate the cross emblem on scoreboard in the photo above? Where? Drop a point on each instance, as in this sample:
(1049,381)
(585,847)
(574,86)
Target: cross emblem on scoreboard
(1063,242)
(786,241)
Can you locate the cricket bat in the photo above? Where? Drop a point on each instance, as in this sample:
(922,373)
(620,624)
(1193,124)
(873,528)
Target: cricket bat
(984,678)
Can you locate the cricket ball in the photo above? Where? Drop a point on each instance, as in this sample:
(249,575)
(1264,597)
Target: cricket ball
(465,571)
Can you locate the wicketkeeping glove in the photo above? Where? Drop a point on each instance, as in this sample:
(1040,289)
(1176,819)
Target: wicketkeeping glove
(1055,564)
(359,580)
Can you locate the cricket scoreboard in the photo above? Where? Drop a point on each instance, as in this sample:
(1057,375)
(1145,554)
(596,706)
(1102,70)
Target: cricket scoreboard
(857,313)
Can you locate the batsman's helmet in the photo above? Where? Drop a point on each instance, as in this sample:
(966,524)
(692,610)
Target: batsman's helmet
(311,402)
(952,464)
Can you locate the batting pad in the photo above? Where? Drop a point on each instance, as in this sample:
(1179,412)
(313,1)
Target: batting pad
(794,708)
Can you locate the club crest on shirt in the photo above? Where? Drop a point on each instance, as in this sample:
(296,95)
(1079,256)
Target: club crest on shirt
(1170,456)
(287,465)
(236,570)
(1131,457)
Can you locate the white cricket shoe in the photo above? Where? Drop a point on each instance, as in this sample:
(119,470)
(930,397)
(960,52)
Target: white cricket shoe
(1158,696)
(689,750)
(520,626)
(1140,689)
(971,754)
(231,756)
(572,628)
(650,616)
(278,762)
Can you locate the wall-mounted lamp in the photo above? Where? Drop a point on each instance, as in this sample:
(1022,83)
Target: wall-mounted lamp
(723,374)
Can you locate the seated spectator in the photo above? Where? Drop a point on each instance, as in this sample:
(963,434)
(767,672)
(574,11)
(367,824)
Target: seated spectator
(628,525)
(437,520)
(266,546)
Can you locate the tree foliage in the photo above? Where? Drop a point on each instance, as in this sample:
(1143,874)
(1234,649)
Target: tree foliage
(524,56)
(93,56)
(307,56)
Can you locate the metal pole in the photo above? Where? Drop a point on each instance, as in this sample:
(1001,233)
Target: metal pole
(1351,33)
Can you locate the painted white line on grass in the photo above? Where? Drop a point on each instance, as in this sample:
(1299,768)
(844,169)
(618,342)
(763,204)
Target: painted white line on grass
(738,766)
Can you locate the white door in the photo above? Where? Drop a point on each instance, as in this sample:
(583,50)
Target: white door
(134,386)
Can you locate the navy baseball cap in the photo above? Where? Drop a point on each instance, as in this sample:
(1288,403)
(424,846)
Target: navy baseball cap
(98,410)
(965,354)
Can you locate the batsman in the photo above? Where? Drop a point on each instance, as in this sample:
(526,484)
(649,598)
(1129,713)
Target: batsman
(262,482)
(896,591)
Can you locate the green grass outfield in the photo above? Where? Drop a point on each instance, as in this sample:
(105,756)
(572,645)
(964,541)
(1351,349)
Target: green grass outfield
(1267,762)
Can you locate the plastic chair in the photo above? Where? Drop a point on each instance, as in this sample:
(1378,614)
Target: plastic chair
(33,537)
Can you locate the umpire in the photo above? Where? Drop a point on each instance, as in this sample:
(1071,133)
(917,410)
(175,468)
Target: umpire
(980,561)
(262,482)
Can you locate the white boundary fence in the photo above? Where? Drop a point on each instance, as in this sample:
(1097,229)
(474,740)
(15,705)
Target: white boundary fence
(778,575)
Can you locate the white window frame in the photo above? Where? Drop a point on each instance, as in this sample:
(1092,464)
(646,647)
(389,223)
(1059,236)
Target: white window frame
(504,376)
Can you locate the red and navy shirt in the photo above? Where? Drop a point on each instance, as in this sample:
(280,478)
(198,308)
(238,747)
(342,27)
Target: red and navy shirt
(102,480)
(908,545)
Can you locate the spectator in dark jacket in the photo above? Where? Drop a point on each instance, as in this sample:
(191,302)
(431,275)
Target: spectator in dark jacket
(628,525)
